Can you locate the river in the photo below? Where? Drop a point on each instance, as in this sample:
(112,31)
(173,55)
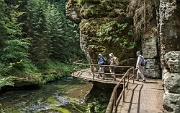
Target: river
(62,96)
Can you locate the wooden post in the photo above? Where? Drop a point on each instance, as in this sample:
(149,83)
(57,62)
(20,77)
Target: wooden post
(124,90)
(133,75)
(115,98)
(92,69)
(127,79)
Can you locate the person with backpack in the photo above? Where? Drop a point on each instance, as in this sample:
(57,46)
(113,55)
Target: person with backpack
(112,66)
(140,64)
(101,62)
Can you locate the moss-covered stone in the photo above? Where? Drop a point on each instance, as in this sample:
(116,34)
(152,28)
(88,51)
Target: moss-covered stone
(52,100)
(60,109)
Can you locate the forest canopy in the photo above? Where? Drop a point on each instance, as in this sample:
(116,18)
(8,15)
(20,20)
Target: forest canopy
(35,35)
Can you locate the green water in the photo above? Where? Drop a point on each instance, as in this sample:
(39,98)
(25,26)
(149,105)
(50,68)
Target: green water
(63,96)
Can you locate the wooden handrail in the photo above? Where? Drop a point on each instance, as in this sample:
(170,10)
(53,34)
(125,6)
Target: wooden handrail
(77,63)
(102,65)
(114,101)
(93,72)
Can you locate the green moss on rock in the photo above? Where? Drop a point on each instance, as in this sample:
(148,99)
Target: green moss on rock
(52,100)
(60,109)
(107,35)
(105,28)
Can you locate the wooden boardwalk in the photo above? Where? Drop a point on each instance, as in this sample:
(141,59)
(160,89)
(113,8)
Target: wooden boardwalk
(137,97)
(143,98)
(86,74)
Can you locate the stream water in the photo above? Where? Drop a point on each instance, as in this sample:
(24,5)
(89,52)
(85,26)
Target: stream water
(63,96)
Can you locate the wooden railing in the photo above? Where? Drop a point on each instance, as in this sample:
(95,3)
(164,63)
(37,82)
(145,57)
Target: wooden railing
(114,101)
(91,66)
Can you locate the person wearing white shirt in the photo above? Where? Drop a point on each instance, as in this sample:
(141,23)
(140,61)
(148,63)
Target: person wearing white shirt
(139,67)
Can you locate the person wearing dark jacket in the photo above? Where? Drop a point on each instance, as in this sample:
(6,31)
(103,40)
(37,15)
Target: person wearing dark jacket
(101,67)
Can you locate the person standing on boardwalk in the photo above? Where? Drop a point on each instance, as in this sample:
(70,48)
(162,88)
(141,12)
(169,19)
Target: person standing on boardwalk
(140,67)
(101,61)
(112,66)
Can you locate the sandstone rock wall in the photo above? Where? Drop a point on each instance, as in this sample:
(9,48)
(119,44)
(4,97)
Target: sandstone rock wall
(169,12)
(144,14)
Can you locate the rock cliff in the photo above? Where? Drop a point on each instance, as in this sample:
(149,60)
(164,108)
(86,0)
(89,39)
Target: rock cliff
(169,32)
(104,28)
(125,26)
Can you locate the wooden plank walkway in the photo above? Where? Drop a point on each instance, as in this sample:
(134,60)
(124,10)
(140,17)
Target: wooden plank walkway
(86,74)
(143,98)
(139,97)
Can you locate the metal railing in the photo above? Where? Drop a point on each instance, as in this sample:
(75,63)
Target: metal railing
(114,101)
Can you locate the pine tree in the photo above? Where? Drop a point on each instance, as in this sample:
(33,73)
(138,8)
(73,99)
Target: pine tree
(37,32)
(14,49)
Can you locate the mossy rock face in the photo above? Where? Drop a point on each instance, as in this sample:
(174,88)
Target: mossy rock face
(102,9)
(106,35)
(77,10)
(104,28)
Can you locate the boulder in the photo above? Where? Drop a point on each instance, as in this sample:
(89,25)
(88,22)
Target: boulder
(152,73)
(152,64)
(171,103)
(152,69)
(172,59)
(149,47)
(72,13)
(172,82)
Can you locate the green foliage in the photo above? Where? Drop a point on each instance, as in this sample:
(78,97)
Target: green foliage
(34,34)
(80,1)
(15,50)
(60,109)
(110,30)
(55,71)
(6,82)
(58,36)
(96,106)
(37,29)
(117,35)
(13,110)
(52,100)
(78,107)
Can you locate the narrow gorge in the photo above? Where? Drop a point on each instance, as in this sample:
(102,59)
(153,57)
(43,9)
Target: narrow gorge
(125,26)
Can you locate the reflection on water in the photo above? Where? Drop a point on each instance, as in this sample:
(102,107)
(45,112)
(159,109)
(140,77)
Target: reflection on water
(66,95)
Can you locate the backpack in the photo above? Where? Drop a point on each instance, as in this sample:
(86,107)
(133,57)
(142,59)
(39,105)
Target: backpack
(105,61)
(116,60)
(144,61)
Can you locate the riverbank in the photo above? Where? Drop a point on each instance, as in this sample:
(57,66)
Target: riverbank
(66,95)
(36,77)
